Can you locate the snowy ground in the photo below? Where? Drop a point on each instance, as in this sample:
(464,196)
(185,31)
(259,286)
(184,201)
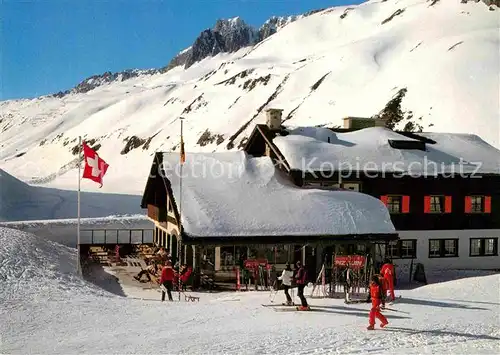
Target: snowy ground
(47,309)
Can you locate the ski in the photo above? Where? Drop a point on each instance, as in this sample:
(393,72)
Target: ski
(285,310)
(279,305)
(355,301)
(294,309)
(392,302)
(395,310)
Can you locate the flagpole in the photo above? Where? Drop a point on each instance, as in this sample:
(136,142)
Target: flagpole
(78,266)
(179,246)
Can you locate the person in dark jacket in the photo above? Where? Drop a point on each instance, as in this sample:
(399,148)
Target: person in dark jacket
(166,281)
(300,280)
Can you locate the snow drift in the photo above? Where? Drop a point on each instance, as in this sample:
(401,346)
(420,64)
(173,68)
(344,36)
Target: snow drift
(47,309)
(33,267)
(342,61)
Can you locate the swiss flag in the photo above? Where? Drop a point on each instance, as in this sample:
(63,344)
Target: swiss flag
(95,167)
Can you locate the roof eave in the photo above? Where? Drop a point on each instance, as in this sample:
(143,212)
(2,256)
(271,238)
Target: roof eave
(287,239)
(147,188)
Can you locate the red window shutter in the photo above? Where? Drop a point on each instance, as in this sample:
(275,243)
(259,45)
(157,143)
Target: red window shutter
(384,199)
(427,204)
(406,204)
(468,204)
(487,204)
(447,204)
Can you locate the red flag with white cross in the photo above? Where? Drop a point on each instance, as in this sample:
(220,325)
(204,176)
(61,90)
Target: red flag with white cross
(95,167)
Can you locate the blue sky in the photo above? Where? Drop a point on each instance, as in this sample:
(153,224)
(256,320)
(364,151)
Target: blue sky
(51,45)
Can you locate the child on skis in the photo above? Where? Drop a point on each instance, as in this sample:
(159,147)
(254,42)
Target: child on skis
(286,278)
(376,295)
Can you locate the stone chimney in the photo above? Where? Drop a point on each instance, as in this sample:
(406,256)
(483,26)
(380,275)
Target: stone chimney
(273,118)
(362,122)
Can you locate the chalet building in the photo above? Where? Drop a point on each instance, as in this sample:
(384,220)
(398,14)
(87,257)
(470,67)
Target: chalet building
(442,190)
(229,207)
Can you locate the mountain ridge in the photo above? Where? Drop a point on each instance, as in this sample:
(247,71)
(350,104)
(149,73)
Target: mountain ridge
(227,35)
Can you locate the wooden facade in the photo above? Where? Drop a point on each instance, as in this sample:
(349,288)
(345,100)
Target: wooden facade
(456,191)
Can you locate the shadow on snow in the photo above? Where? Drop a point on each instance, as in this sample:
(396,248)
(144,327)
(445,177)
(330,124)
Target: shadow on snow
(439,332)
(349,311)
(405,300)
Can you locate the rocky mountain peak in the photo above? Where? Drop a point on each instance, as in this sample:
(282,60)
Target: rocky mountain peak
(95,81)
(233,34)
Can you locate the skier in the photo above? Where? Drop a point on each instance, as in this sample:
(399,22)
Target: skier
(166,281)
(300,280)
(376,295)
(286,278)
(387,271)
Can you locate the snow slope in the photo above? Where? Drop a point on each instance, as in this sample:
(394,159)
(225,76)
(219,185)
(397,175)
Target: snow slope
(30,265)
(47,309)
(334,63)
(230,194)
(20,201)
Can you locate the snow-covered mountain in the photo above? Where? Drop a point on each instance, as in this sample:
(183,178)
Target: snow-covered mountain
(318,67)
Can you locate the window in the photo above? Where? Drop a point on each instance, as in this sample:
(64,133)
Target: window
(392,249)
(437,204)
(483,246)
(491,246)
(227,257)
(321,185)
(450,247)
(478,204)
(394,204)
(434,248)
(443,248)
(397,203)
(402,249)
(408,249)
(360,248)
(475,247)
(169,204)
(351,186)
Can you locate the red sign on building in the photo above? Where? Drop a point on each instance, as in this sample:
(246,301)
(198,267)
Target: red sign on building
(254,263)
(354,261)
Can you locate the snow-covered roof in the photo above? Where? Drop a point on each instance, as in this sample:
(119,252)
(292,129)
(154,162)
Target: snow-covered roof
(232,194)
(368,149)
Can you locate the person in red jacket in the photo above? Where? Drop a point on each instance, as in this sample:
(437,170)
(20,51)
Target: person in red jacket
(376,296)
(387,271)
(166,281)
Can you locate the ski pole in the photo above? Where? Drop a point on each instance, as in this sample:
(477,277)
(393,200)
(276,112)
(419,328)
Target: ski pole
(395,310)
